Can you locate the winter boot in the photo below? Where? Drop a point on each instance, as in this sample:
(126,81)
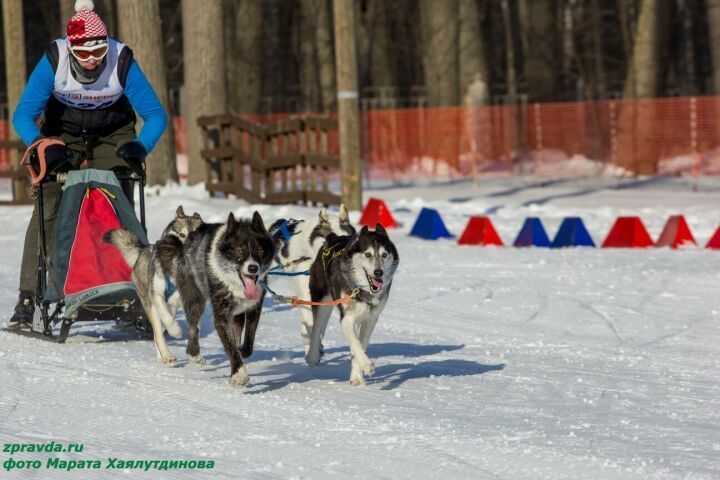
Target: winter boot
(24,310)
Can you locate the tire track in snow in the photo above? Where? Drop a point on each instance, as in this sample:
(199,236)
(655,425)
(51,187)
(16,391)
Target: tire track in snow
(610,324)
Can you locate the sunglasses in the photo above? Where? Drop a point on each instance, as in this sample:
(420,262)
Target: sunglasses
(97,52)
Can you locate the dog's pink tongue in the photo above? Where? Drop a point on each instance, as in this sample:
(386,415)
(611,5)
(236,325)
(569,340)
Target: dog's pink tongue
(377,283)
(251,290)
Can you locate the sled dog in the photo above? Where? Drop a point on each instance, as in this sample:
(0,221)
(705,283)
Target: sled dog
(222,263)
(360,266)
(305,239)
(149,280)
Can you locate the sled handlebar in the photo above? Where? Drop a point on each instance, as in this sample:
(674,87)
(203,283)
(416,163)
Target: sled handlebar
(136,172)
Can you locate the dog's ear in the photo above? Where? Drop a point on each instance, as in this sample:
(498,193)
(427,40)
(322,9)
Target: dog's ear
(195,221)
(364,231)
(324,216)
(258,224)
(231,223)
(343,215)
(350,244)
(180,213)
(381,230)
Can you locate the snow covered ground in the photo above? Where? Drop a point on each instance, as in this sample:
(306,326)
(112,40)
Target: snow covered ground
(492,363)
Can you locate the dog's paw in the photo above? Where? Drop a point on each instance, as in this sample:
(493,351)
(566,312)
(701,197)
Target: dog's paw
(169,360)
(240,378)
(312,358)
(369,368)
(198,359)
(357,380)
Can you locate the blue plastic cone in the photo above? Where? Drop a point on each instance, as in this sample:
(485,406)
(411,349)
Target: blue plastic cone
(532,234)
(430,226)
(572,233)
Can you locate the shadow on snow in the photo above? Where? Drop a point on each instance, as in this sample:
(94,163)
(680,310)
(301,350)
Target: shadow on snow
(335,366)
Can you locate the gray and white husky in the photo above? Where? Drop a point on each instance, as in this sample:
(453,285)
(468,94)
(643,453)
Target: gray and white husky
(361,266)
(222,263)
(149,280)
(305,239)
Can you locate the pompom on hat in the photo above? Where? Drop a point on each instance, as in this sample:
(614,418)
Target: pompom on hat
(85,25)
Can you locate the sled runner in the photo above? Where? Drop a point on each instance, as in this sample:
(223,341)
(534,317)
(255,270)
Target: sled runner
(85,278)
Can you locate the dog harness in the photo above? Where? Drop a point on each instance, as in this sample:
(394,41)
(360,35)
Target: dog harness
(284,228)
(170,287)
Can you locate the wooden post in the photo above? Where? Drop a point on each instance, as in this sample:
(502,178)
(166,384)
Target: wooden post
(348,108)
(15,76)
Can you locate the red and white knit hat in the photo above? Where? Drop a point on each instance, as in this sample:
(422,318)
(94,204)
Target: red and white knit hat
(85,25)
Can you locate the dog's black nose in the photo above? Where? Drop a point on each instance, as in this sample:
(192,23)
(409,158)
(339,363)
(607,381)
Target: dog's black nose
(378,273)
(253,269)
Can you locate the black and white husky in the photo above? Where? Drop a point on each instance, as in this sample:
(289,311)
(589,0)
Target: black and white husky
(150,282)
(360,266)
(298,240)
(222,263)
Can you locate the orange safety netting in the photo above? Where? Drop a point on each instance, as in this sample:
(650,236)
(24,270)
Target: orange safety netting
(654,136)
(667,136)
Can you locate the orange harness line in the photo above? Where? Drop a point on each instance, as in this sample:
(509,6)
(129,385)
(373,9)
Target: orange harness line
(295,301)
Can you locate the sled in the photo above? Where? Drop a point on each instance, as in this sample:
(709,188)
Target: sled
(86,279)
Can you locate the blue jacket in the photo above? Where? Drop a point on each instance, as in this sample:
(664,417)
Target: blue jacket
(138,92)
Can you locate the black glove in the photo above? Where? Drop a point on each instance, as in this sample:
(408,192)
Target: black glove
(57,159)
(131,151)
(134,153)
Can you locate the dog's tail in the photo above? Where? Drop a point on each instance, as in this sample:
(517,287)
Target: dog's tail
(127,242)
(169,250)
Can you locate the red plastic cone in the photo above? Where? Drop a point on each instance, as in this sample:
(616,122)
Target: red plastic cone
(480,231)
(377,212)
(714,242)
(628,232)
(676,233)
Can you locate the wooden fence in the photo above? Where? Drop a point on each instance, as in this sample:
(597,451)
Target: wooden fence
(20,179)
(288,161)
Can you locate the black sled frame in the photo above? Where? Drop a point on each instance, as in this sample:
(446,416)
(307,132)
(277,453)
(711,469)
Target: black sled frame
(126,312)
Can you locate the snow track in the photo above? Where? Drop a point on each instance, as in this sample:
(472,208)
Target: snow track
(491,363)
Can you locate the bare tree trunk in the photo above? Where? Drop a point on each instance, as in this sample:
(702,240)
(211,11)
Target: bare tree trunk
(540,46)
(713,15)
(471,49)
(326,57)
(440,41)
(688,84)
(140,28)
(516,126)
(244,60)
(637,146)
(379,61)
(15,74)
(309,75)
(473,78)
(317,66)
(204,68)
(348,108)
(628,24)
(643,77)
(600,86)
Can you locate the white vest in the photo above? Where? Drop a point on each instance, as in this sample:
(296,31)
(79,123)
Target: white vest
(103,92)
